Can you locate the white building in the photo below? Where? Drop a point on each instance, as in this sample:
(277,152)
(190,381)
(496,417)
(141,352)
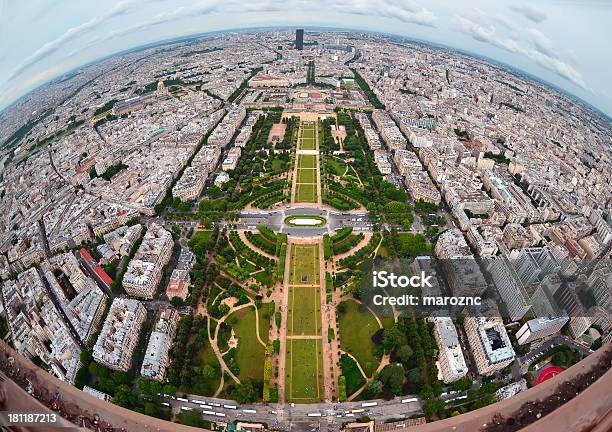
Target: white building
(450,359)
(119,335)
(145,271)
(156,357)
(539,328)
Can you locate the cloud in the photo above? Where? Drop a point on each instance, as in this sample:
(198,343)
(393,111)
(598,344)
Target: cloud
(542,43)
(407,11)
(72,33)
(531,13)
(542,53)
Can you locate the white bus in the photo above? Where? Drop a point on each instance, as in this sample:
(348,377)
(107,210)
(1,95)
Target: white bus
(229,406)
(409,400)
(218,414)
(356,411)
(197,401)
(249,411)
(166,404)
(210,413)
(182,399)
(184,408)
(369,404)
(314,414)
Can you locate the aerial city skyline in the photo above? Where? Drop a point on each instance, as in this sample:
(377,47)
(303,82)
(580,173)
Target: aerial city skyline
(304,228)
(542,39)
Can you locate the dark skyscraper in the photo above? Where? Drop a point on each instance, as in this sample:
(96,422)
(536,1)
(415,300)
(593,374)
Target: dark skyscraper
(299,39)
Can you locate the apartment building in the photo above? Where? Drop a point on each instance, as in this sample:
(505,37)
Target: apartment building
(120,333)
(490,343)
(156,356)
(451,362)
(145,271)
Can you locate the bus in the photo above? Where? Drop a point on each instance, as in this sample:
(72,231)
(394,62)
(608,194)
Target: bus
(369,404)
(314,414)
(409,400)
(182,399)
(229,406)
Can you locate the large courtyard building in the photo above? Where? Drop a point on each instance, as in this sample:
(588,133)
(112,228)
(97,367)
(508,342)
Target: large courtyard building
(145,271)
(120,334)
(489,343)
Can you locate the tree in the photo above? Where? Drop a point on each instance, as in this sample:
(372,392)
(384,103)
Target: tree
(244,392)
(208,371)
(144,385)
(392,377)
(404,352)
(169,389)
(124,397)
(176,301)
(392,337)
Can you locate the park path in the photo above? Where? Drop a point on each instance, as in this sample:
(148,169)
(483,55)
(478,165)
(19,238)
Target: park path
(383,362)
(318,159)
(329,383)
(215,346)
(246,241)
(363,374)
(282,331)
(363,243)
(295,166)
(263,344)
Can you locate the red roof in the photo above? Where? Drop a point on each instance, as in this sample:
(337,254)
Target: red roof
(105,277)
(86,255)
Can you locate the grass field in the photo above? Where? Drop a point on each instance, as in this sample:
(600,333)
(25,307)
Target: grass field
(306,182)
(307,175)
(304,315)
(307,141)
(307,161)
(304,264)
(306,193)
(250,354)
(356,331)
(304,373)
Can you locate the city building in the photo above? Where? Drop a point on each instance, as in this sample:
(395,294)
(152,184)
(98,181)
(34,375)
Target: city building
(489,343)
(299,39)
(144,272)
(451,362)
(120,334)
(156,356)
(539,328)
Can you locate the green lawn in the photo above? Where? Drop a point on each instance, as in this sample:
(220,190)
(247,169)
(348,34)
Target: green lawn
(304,264)
(307,161)
(306,192)
(354,379)
(250,354)
(266,311)
(206,386)
(306,175)
(308,137)
(356,331)
(304,314)
(304,373)
(337,165)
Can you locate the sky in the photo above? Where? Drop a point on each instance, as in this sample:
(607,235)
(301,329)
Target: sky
(564,42)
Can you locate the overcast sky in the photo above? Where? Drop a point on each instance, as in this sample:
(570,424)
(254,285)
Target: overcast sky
(566,42)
